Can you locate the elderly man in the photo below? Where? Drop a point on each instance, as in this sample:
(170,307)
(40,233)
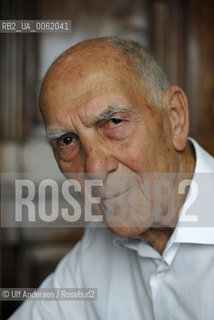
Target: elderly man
(110,112)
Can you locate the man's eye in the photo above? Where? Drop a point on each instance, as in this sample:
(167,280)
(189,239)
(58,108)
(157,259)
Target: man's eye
(114,121)
(66,140)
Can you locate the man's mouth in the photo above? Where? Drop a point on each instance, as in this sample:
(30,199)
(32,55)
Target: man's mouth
(119,194)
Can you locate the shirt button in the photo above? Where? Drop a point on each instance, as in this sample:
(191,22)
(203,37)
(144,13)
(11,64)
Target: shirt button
(160,274)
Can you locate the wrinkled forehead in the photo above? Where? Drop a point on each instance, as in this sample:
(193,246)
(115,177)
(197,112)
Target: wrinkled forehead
(79,77)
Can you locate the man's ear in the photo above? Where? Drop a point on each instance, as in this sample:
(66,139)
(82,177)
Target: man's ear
(176,105)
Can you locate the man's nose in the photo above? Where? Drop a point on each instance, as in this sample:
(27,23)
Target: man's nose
(99,160)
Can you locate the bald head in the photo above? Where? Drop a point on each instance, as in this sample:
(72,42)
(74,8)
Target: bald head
(76,71)
(108,55)
(91,52)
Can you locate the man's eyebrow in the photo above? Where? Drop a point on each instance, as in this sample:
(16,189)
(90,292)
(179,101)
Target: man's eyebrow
(55,133)
(108,112)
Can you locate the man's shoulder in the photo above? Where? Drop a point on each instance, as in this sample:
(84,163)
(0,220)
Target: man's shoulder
(97,243)
(82,267)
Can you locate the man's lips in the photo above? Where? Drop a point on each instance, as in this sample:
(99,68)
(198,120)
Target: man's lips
(117,195)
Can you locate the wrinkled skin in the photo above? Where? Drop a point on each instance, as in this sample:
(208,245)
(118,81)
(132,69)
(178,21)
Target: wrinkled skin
(140,139)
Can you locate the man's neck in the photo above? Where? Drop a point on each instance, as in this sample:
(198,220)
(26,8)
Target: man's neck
(157,237)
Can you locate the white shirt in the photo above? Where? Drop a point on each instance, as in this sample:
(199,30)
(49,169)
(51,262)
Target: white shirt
(133,280)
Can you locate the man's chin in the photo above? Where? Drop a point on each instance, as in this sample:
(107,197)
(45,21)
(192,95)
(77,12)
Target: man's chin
(130,232)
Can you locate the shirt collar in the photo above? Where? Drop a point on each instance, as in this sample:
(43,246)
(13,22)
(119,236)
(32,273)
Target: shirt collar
(204,161)
(202,231)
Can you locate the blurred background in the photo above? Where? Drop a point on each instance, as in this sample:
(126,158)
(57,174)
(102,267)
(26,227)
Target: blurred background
(179,33)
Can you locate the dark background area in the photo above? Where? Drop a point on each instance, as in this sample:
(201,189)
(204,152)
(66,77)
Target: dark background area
(180,35)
